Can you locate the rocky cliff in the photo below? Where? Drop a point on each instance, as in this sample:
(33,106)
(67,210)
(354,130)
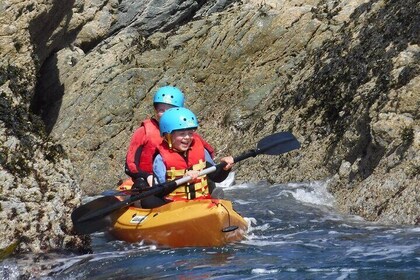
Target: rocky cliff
(39,186)
(343,76)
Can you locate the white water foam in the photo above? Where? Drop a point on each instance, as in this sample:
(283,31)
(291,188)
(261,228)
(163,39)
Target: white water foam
(313,193)
(250,221)
(9,270)
(264,243)
(243,202)
(258,240)
(252,228)
(264,271)
(229,181)
(238,187)
(380,254)
(416,229)
(61,264)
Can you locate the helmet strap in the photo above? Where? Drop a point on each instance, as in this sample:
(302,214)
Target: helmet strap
(169,140)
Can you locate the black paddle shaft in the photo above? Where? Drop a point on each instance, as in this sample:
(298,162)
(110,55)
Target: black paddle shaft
(274,144)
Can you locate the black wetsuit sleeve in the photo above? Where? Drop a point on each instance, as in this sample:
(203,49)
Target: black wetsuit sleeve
(219,175)
(139,174)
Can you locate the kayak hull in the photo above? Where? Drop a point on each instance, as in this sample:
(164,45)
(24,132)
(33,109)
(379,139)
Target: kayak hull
(187,223)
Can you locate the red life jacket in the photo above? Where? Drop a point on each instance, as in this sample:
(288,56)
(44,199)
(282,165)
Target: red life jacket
(207,146)
(153,139)
(176,166)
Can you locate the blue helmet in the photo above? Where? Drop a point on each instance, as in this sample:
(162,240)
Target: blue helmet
(169,95)
(177,119)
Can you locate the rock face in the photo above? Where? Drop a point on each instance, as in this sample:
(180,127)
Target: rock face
(39,186)
(343,76)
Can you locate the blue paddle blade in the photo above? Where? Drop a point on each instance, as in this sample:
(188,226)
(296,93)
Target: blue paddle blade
(278,143)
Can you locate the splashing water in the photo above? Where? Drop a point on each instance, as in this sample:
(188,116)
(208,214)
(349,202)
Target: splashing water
(294,233)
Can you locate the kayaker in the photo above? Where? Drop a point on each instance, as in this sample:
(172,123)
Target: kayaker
(143,143)
(183,153)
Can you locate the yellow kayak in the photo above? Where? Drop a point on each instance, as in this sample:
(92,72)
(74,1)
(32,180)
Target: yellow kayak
(203,222)
(198,222)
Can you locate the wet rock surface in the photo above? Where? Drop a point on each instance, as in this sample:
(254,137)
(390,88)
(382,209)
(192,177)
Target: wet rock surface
(342,76)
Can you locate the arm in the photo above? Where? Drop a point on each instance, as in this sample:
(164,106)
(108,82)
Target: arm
(221,173)
(159,169)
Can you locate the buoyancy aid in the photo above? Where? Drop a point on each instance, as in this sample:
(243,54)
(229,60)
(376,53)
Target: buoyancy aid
(153,139)
(148,149)
(176,166)
(207,146)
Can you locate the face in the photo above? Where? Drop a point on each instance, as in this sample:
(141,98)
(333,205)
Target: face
(182,139)
(160,108)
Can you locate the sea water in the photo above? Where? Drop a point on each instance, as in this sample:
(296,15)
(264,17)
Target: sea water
(294,233)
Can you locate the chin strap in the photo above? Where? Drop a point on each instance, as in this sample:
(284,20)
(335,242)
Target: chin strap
(168,139)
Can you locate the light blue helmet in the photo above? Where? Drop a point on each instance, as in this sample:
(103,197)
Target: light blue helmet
(169,95)
(177,119)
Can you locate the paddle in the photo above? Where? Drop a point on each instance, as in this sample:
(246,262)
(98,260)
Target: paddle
(119,193)
(89,218)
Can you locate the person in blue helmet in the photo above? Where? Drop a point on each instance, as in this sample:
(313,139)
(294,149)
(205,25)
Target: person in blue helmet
(182,153)
(143,143)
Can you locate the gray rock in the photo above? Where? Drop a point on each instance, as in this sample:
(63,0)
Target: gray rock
(343,76)
(249,72)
